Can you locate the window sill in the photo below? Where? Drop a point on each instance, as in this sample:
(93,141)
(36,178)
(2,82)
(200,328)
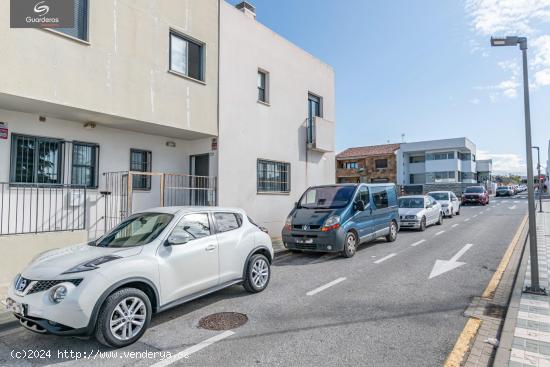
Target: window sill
(186,77)
(267,104)
(74,39)
(284,193)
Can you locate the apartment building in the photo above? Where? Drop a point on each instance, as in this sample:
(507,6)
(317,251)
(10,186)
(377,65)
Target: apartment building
(373,164)
(127,110)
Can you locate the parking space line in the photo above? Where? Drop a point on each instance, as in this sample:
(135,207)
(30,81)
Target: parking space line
(440,232)
(385,258)
(454,225)
(418,243)
(195,348)
(467,219)
(323,287)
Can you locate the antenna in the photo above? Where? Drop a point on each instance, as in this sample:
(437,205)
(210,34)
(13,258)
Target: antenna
(402,138)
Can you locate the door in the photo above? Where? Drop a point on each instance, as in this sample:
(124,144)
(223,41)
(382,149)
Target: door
(382,212)
(429,211)
(435,209)
(454,202)
(364,220)
(191,265)
(200,170)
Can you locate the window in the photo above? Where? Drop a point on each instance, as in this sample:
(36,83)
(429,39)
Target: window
(186,56)
(80,28)
(140,161)
(467,176)
(380,197)
(351,165)
(314,110)
(139,229)
(440,156)
(444,176)
(273,176)
(381,163)
(418,178)
(227,221)
(263,83)
(191,227)
(417,159)
(467,157)
(85,164)
(363,194)
(35,160)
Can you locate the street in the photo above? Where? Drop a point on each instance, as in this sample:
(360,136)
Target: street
(387,306)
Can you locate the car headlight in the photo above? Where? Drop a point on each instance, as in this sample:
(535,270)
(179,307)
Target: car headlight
(410,217)
(332,220)
(58,293)
(91,265)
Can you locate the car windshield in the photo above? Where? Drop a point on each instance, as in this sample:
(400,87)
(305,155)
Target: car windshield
(475,190)
(440,195)
(502,188)
(411,203)
(327,197)
(139,229)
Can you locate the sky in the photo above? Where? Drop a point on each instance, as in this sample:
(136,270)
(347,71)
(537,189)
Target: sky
(426,69)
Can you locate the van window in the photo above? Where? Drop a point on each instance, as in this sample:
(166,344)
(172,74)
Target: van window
(380,197)
(363,194)
(327,197)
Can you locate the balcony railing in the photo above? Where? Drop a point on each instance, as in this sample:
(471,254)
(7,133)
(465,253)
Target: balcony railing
(349,172)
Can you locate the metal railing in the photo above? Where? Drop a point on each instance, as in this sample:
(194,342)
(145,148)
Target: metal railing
(39,208)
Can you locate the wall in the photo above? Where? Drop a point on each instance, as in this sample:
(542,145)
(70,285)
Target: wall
(250,130)
(122,72)
(369,171)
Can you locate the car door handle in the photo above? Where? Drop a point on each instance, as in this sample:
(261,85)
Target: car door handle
(211,247)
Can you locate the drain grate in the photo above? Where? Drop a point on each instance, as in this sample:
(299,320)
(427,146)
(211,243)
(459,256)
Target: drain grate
(223,321)
(495,311)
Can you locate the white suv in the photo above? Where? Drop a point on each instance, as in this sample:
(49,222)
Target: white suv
(152,261)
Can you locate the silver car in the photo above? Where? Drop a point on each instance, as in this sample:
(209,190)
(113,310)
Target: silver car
(419,211)
(449,202)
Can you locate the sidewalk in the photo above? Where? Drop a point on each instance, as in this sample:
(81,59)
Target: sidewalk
(525,338)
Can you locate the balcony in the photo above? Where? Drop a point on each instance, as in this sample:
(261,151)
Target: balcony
(320,135)
(349,172)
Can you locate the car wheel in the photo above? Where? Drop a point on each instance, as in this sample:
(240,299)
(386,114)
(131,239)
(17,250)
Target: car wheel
(350,245)
(258,274)
(123,318)
(422,224)
(440,220)
(392,236)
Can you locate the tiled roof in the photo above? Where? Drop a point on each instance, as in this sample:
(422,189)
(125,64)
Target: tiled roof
(368,151)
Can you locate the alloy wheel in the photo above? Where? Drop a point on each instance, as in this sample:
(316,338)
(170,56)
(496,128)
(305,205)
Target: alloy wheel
(128,318)
(351,243)
(260,273)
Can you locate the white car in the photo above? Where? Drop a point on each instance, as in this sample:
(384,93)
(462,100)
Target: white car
(449,202)
(152,261)
(419,211)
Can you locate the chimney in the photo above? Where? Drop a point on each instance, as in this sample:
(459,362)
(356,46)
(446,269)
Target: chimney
(248,9)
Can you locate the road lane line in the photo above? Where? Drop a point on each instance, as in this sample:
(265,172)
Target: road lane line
(454,225)
(467,219)
(418,243)
(385,258)
(323,287)
(475,216)
(440,232)
(512,207)
(195,348)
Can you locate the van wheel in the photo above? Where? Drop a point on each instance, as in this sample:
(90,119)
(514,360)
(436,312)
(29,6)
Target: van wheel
(392,236)
(422,224)
(350,245)
(440,220)
(258,274)
(124,317)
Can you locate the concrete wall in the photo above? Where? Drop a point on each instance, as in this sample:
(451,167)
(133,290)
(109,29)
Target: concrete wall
(121,73)
(276,131)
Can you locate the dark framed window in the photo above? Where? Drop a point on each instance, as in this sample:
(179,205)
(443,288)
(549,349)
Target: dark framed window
(381,163)
(380,197)
(417,159)
(36,160)
(315,109)
(80,28)
(351,165)
(273,176)
(192,227)
(85,164)
(140,161)
(186,56)
(262,86)
(440,156)
(227,221)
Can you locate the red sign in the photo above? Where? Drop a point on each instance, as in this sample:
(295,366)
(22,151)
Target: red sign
(3,131)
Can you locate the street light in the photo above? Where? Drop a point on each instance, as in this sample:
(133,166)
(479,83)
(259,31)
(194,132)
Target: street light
(522,42)
(540,183)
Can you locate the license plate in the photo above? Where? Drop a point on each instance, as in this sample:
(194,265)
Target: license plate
(305,241)
(15,307)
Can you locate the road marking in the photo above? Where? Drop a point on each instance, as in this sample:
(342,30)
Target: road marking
(475,216)
(323,287)
(443,266)
(467,219)
(440,232)
(489,292)
(195,348)
(454,225)
(418,243)
(462,345)
(512,207)
(385,258)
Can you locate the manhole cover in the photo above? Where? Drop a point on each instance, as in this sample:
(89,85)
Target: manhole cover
(223,321)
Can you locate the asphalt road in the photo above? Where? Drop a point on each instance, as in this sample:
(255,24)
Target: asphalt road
(379,308)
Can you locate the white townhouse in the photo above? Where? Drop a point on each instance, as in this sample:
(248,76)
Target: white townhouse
(150,103)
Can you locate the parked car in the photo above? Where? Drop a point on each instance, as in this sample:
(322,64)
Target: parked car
(504,191)
(152,261)
(338,218)
(475,195)
(419,211)
(449,202)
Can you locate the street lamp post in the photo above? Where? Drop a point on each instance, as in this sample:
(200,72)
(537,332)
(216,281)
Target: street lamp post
(540,183)
(522,42)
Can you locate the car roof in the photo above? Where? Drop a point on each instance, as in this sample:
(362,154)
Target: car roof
(413,197)
(189,209)
(439,192)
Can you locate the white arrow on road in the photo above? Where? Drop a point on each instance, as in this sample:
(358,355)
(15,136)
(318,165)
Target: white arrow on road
(443,266)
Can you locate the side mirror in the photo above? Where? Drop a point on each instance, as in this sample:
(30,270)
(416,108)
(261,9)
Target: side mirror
(175,240)
(359,205)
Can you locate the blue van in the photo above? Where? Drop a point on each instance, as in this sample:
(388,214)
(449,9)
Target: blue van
(338,218)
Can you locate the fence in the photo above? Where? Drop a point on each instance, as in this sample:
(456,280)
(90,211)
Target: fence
(41,208)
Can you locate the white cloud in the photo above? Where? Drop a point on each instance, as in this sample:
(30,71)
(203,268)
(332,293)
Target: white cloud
(542,77)
(504,163)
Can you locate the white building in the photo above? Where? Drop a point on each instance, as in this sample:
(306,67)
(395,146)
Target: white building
(438,162)
(134,87)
